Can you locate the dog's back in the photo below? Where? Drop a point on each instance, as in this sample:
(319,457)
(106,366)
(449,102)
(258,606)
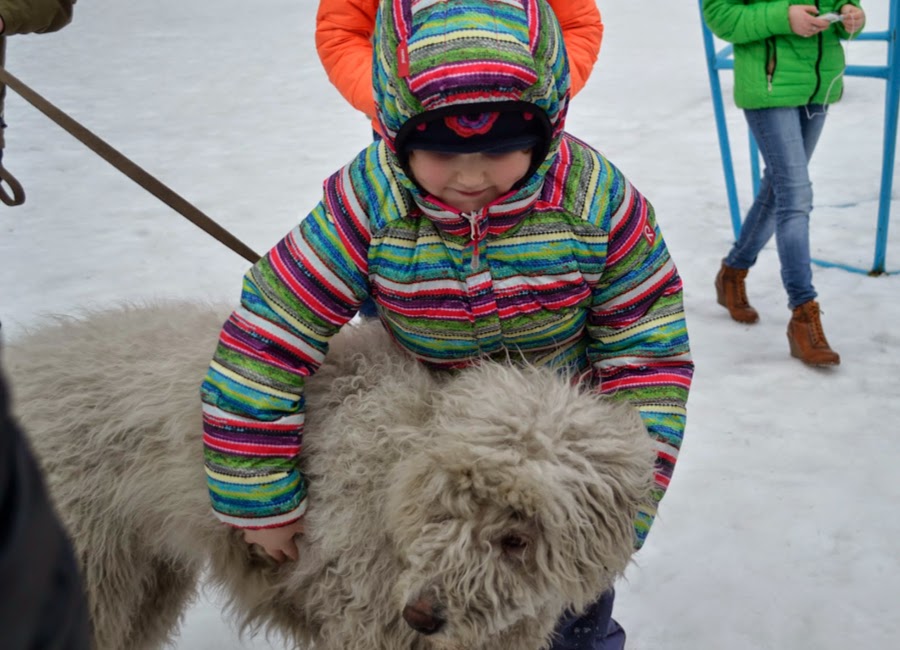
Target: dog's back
(110,404)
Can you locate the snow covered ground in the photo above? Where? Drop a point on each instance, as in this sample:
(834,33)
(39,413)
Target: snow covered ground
(780,529)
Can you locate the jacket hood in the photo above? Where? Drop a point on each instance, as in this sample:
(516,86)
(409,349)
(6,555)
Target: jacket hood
(437,57)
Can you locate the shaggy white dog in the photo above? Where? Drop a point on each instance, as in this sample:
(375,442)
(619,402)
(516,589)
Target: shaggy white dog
(447,512)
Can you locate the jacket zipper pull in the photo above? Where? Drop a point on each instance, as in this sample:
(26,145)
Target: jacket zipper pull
(472,218)
(769,81)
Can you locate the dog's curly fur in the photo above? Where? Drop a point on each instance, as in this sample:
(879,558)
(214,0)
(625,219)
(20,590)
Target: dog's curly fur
(487,502)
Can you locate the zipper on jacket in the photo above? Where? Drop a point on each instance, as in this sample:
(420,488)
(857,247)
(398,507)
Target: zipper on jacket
(818,69)
(474,235)
(771,61)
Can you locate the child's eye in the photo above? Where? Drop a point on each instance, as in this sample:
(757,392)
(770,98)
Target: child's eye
(504,154)
(439,156)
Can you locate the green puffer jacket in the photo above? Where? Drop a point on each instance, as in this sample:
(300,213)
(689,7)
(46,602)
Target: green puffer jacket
(773,67)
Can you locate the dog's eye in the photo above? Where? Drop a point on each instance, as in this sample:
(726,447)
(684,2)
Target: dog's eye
(513,544)
(440,519)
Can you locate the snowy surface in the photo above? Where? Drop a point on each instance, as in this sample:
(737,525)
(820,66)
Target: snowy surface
(780,529)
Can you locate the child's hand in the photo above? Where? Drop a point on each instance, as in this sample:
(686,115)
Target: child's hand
(277,542)
(854,18)
(804,21)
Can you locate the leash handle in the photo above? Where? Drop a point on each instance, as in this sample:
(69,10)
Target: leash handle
(16,194)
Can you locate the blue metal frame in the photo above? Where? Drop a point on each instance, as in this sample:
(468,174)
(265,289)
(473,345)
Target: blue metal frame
(723,60)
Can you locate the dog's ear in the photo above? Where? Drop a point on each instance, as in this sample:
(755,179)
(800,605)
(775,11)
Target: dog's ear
(586,536)
(598,478)
(416,488)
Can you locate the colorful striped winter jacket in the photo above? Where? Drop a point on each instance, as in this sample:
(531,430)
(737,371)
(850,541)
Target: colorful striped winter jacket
(568,270)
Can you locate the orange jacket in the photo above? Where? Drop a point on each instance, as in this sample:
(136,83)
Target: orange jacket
(344,42)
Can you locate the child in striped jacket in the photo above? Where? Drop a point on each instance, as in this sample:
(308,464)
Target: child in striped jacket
(478,226)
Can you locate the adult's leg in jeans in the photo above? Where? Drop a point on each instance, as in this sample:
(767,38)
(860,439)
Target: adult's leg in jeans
(593,630)
(757,228)
(791,233)
(768,126)
(787,138)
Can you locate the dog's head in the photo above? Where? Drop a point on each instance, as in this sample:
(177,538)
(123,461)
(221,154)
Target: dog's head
(523,507)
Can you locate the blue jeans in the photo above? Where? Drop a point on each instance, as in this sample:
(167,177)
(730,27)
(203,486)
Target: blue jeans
(786,139)
(593,630)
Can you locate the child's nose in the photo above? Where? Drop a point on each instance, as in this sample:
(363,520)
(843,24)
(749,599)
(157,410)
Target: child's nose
(471,174)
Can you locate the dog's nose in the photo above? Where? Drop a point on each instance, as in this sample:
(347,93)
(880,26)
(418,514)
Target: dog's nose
(421,617)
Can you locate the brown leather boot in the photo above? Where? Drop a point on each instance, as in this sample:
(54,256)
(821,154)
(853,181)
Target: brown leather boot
(807,339)
(732,294)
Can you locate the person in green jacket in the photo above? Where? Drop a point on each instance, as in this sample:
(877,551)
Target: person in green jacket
(788,68)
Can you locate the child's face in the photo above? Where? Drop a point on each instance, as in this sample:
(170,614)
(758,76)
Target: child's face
(468,181)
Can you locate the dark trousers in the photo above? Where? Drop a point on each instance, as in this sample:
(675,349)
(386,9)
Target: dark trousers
(42,605)
(593,630)
(368,309)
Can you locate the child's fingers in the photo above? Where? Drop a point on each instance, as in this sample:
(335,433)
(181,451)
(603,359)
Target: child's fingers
(290,550)
(297,527)
(291,547)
